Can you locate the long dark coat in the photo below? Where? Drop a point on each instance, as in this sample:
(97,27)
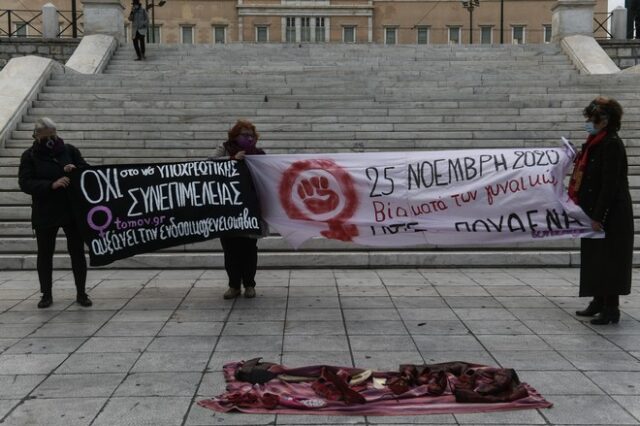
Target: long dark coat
(49,208)
(605,264)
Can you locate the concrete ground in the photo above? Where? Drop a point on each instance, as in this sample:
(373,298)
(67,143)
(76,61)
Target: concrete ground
(155,341)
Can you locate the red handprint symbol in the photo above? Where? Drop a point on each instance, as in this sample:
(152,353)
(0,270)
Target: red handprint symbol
(317,195)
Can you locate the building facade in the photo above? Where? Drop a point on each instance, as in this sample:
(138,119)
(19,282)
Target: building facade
(339,21)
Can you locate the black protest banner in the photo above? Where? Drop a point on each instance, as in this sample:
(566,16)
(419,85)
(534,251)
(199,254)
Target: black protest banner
(125,210)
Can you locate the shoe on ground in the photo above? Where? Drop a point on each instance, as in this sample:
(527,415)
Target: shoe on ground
(138,59)
(249,292)
(232,293)
(591,310)
(45,302)
(606,316)
(84,301)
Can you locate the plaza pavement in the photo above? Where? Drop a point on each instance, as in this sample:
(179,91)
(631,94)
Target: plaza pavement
(155,341)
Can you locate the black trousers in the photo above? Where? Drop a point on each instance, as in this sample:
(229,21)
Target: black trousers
(46,240)
(138,44)
(240,260)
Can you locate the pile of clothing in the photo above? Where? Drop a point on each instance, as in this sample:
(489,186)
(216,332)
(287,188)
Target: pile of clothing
(451,387)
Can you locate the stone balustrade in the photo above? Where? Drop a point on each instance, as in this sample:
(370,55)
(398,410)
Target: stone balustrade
(59,50)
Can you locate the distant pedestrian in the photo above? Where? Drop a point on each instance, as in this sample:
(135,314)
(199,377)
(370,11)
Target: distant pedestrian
(139,22)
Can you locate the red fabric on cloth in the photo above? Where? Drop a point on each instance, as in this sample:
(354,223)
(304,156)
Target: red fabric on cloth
(413,390)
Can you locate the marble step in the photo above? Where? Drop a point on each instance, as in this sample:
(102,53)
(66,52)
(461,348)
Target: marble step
(170,101)
(88,126)
(304,79)
(275,243)
(91,116)
(504,113)
(298,54)
(315,260)
(304,136)
(267,123)
(125,156)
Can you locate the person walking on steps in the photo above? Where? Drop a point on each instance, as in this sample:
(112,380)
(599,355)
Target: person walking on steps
(44,174)
(600,186)
(139,22)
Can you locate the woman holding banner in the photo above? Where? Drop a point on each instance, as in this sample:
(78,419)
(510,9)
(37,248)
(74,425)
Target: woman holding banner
(44,174)
(241,252)
(599,185)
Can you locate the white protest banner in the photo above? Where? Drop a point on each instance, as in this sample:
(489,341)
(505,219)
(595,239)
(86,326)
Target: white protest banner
(398,199)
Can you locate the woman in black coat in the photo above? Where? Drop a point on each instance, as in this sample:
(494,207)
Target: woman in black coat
(43,174)
(599,185)
(240,252)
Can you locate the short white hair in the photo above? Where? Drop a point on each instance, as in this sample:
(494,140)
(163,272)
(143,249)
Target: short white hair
(43,123)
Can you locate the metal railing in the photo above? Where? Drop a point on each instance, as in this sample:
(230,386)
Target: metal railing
(21,20)
(601,21)
(77,28)
(28,23)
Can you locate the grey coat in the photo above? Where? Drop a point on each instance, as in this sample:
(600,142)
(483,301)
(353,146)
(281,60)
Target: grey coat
(139,21)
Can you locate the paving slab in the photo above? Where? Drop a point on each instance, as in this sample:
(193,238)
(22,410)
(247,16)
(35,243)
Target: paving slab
(588,410)
(159,384)
(58,412)
(88,385)
(16,386)
(167,411)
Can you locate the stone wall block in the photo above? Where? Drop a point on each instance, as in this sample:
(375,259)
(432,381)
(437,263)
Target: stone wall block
(26,49)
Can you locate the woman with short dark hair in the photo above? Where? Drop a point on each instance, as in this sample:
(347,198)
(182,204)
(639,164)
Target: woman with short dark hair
(599,185)
(240,252)
(44,174)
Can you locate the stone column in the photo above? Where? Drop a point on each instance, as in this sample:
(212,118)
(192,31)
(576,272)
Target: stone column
(283,26)
(298,29)
(50,24)
(312,29)
(240,25)
(572,17)
(104,17)
(619,23)
(370,29)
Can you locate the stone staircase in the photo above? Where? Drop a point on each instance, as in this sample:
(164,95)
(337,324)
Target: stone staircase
(179,103)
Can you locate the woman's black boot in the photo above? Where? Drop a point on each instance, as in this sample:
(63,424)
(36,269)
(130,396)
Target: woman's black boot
(594,308)
(45,301)
(606,316)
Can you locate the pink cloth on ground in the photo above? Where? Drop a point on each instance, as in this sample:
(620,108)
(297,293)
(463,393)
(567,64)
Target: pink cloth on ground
(280,397)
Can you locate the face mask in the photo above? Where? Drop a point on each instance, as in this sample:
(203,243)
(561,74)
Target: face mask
(47,141)
(245,141)
(590,128)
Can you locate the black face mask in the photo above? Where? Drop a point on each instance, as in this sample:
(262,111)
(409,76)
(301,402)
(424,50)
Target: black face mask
(47,140)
